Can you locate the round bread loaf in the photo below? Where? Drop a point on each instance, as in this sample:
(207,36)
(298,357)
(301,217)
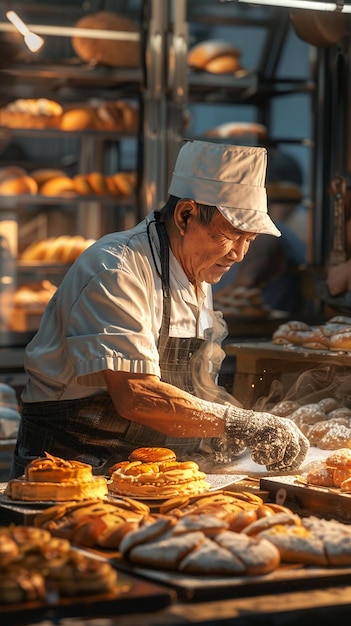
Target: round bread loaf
(79,118)
(97,183)
(225,64)
(117,53)
(205,52)
(42,175)
(124,183)
(22,184)
(58,186)
(150,455)
(82,185)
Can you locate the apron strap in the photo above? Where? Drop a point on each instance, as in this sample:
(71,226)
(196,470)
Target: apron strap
(164,258)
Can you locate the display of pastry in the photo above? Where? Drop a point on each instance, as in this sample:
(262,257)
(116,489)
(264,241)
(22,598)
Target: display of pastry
(157,478)
(54,479)
(326,423)
(34,563)
(335,334)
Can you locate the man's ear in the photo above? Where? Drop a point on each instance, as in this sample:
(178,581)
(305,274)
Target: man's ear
(184,210)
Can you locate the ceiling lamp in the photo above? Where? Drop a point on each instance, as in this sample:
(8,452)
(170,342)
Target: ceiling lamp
(316,5)
(33,41)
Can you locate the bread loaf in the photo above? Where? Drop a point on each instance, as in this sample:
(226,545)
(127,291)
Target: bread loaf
(31,113)
(80,118)
(58,186)
(62,249)
(42,175)
(214,56)
(238,129)
(117,115)
(117,53)
(13,185)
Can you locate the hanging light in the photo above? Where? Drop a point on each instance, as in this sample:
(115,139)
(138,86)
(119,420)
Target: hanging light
(33,41)
(317,5)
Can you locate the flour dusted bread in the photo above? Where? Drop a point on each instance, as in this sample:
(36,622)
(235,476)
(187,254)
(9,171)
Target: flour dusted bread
(335,334)
(54,479)
(334,471)
(163,545)
(117,53)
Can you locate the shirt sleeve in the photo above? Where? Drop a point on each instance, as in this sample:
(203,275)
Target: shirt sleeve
(112,324)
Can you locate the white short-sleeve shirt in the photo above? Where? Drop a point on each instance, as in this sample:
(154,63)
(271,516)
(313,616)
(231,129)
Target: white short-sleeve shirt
(107,313)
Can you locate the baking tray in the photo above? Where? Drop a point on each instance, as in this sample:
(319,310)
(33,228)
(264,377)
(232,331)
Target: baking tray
(309,499)
(132,595)
(24,512)
(292,577)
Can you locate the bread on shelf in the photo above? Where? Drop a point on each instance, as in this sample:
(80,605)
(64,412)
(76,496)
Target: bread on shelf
(99,115)
(214,56)
(31,113)
(16,181)
(61,249)
(110,52)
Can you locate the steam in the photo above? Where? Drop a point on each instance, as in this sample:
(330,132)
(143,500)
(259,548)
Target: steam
(206,365)
(312,386)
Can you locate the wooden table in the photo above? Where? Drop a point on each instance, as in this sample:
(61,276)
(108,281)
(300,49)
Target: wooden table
(258,364)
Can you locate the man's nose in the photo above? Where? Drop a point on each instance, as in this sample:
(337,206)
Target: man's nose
(238,251)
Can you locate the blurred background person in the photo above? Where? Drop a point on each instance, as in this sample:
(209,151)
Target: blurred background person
(274,264)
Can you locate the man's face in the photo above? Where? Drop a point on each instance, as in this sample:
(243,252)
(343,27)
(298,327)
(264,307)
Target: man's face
(209,250)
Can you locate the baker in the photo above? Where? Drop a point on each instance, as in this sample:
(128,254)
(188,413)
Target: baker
(128,349)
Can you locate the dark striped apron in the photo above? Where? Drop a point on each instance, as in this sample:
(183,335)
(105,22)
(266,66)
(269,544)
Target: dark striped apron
(91,430)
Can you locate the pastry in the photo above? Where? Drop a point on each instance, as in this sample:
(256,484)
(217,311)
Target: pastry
(19,489)
(158,480)
(54,479)
(152,454)
(44,563)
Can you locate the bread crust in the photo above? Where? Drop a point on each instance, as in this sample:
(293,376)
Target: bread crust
(107,51)
(152,454)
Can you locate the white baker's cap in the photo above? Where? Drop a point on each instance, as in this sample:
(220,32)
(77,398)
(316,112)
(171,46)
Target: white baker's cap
(232,178)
